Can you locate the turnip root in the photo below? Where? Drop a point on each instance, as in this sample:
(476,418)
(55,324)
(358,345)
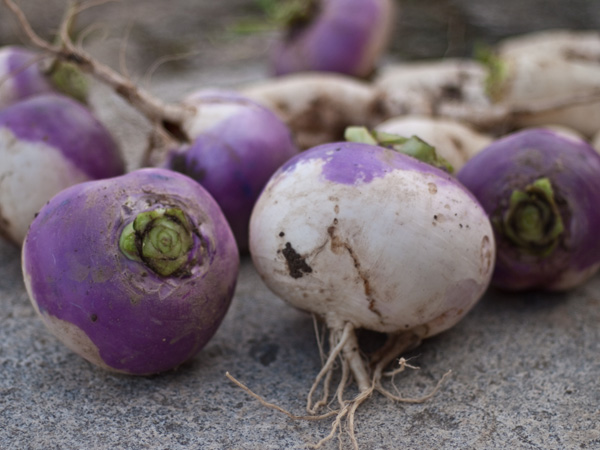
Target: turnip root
(552,65)
(318,107)
(342,36)
(541,191)
(454,141)
(47,143)
(432,88)
(365,237)
(133,273)
(238,144)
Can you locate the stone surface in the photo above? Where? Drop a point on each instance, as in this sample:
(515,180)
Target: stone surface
(525,366)
(525,375)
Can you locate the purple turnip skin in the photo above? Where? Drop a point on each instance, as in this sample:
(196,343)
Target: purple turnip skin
(237,146)
(343,36)
(47,143)
(21,76)
(573,170)
(118,311)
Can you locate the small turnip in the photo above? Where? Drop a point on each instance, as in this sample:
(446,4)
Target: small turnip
(47,143)
(342,36)
(541,190)
(238,144)
(366,237)
(25,73)
(20,75)
(133,273)
(552,64)
(433,88)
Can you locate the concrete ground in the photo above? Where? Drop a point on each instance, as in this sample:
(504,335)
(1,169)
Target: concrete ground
(525,367)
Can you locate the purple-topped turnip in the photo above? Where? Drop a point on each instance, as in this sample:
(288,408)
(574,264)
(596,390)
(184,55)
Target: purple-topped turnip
(343,36)
(23,74)
(366,237)
(20,75)
(237,146)
(47,143)
(541,190)
(133,273)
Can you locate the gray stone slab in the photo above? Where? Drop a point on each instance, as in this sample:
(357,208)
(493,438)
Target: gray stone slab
(525,375)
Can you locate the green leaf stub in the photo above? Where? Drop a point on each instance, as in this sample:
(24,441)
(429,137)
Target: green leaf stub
(533,221)
(162,239)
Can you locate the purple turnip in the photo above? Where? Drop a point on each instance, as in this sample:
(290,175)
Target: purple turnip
(47,143)
(21,76)
(366,237)
(343,36)
(25,73)
(237,146)
(133,273)
(541,190)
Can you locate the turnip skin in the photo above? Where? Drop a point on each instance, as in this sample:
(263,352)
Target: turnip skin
(117,312)
(573,169)
(47,143)
(20,76)
(317,107)
(343,36)
(361,234)
(238,144)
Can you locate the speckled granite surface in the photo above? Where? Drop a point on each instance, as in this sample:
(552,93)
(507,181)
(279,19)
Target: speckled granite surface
(525,375)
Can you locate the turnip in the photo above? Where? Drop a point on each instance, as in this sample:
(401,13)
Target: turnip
(133,273)
(433,88)
(20,75)
(365,237)
(551,65)
(317,107)
(238,145)
(343,36)
(455,141)
(541,190)
(47,143)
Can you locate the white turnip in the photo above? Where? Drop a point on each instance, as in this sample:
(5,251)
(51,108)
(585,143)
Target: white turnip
(551,65)
(317,107)
(366,237)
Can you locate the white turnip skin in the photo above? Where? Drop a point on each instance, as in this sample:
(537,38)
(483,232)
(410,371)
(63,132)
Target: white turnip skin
(433,88)
(317,107)
(555,64)
(48,143)
(133,273)
(454,141)
(365,237)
